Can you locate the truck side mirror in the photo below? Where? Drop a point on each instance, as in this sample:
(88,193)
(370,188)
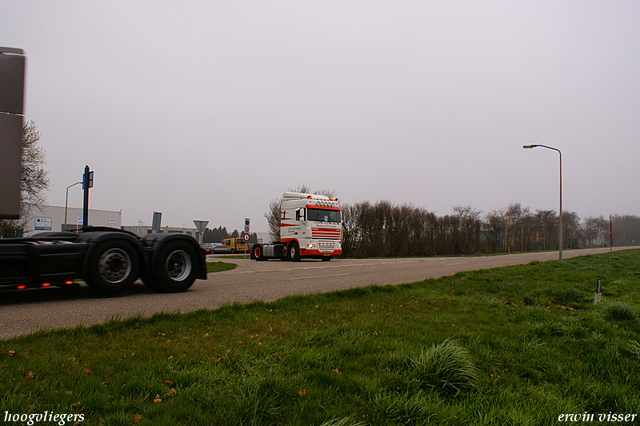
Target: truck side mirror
(300,214)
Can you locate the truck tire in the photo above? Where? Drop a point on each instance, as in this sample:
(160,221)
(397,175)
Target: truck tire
(293,251)
(112,266)
(257,253)
(175,268)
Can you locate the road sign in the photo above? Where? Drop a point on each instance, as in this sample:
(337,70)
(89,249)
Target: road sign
(156,221)
(246,237)
(247,222)
(200,225)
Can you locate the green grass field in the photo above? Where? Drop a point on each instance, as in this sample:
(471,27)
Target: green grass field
(521,345)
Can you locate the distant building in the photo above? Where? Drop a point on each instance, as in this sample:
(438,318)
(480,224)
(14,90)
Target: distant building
(263,237)
(51,218)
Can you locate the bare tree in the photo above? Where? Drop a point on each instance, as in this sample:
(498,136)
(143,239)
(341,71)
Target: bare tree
(34,176)
(594,231)
(626,230)
(516,221)
(571,229)
(546,229)
(470,226)
(494,228)
(34,179)
(273,219)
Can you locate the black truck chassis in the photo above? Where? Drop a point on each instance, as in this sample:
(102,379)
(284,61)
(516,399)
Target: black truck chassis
(107,259)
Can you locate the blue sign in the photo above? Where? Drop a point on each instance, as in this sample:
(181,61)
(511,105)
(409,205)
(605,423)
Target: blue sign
(42,223)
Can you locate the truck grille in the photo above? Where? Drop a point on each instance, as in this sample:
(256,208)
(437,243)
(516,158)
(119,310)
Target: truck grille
(327,233)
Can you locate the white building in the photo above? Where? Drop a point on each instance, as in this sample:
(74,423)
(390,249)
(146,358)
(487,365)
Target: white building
(51,218)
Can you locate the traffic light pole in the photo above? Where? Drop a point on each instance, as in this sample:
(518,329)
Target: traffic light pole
(87,182)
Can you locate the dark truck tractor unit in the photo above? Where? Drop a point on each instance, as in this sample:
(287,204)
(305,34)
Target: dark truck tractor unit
(108,260)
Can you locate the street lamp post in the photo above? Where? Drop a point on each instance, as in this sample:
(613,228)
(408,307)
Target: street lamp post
(66,202)
(560,216)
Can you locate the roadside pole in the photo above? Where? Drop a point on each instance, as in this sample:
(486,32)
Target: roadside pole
(247,223)
(611,238)
(87,182)
(246,244)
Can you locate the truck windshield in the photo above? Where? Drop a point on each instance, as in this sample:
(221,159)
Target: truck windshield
(322,215)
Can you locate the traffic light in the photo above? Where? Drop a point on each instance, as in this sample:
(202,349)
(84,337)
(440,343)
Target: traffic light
(87,179)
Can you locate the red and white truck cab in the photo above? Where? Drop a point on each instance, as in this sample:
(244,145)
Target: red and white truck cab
(310,226)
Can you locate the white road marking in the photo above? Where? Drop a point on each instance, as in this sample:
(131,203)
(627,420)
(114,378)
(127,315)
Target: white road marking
(317,276)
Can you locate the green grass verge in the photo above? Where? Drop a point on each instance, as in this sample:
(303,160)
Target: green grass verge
(511,346)
(234,256)
(220,266)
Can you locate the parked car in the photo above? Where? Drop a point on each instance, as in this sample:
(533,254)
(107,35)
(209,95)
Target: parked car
(207,248)
(219,248)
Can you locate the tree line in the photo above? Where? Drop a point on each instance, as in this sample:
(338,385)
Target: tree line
(216,235)
(387,230)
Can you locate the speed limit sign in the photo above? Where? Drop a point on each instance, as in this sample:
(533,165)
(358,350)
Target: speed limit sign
(246,237)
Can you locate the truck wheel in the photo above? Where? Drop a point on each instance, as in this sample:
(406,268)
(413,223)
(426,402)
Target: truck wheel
(293,252)
(257,253)
(113,266)
(175,269)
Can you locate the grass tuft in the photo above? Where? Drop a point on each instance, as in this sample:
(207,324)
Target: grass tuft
(567,296)
(447,368)
(634,348)
(346,421)
(619,311)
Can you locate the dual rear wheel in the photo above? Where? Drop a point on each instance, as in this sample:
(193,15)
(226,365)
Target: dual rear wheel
(114,265)
(173,270)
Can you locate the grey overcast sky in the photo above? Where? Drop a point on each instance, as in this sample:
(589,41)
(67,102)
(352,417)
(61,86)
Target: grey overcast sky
(210,109)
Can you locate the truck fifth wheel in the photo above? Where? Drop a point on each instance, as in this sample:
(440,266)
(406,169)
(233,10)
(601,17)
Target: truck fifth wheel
(310,226)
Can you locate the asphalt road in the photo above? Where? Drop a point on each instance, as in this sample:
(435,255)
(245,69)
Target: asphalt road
(27,311)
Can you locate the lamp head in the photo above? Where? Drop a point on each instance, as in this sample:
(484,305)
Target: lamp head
(529,146)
